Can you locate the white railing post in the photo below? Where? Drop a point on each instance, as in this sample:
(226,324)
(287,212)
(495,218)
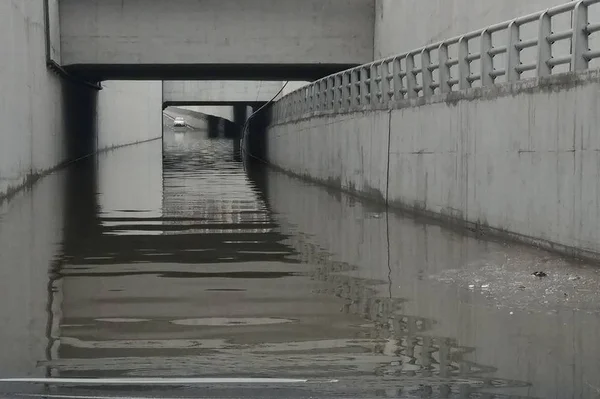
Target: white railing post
(325,91)
(486,60)
(444,69)
(374,86)
(355,75)
(385,82)
(306,100)
(411,79)
(337,95)
(544,46)
(333,92)
(324,94)
(297,108)
(298,103)
(426,75)
(364,87)
(283,112)
(346,96)
(580,41)
(513,54)
(317,96)
(303,102)
(329,94)
(341,90)
(397,70)
(464,69)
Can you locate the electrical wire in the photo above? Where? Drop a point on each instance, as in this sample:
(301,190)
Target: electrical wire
(245,127)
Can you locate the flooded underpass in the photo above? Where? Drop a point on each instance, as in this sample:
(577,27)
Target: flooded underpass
(172,259)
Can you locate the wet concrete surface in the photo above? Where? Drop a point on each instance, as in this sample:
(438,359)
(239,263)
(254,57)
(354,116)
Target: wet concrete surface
(131,265)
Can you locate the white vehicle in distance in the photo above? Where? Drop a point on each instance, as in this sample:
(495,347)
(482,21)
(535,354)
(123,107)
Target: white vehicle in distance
(179,122)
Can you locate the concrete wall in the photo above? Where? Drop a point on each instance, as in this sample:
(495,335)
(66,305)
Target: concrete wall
(348,151)
(219,91)
(409,24)
(129,112)
(47,121)
(216,31)
(31,106)
(522,158)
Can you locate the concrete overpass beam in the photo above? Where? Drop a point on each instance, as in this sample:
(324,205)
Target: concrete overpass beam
(158,39)
(219,92)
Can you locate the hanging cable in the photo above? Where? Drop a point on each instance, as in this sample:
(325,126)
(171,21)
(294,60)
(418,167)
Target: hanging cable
(254,114)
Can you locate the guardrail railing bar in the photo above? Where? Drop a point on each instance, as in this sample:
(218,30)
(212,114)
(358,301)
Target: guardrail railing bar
(555,37)
(544,46)
(382,81)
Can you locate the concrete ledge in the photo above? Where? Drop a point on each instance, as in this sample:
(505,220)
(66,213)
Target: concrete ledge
(518,161)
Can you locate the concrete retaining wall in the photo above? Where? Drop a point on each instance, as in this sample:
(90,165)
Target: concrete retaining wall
(31,106)
(521,159)
(129,112)
(47,121)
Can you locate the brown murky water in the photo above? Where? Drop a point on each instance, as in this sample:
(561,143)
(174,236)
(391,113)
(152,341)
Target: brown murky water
(131,265)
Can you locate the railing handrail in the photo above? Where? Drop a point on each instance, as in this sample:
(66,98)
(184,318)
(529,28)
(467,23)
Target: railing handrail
(365,84)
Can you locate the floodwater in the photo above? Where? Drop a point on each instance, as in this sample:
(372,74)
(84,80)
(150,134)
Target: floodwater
(133,265)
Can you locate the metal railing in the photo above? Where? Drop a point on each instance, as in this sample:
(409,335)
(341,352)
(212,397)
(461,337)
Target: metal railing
(413,75)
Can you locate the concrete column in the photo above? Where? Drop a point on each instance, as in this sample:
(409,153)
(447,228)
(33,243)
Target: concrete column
(239,114)
(212,126)
(255,141)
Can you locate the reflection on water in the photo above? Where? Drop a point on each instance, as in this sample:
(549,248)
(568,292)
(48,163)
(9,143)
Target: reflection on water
(191,266)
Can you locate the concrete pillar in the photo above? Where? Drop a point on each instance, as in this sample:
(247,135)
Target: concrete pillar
(237,149)
(212,126)
(231,129)
(255,141)
(240,114)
